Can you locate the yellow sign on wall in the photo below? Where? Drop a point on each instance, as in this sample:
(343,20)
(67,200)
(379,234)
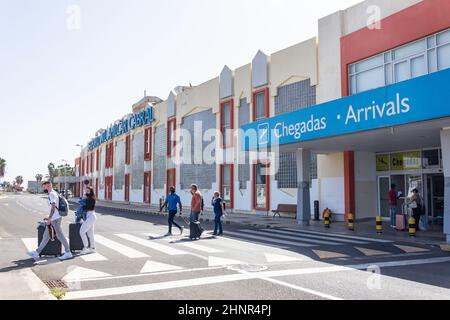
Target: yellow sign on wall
(383,161)
(406,161)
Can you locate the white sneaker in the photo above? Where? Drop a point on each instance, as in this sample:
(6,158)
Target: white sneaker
(66,256)
(92,250)
(168,235)
(85,251)
(33,254)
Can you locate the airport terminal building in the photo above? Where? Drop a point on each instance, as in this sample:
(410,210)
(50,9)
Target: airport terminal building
(337,118)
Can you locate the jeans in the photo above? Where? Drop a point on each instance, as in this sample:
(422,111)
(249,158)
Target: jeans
(59,234)
(194,216)
(393,213)
(172,214)
(87,230)
(218,223)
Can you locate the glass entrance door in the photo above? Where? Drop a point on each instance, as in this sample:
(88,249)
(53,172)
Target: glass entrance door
(384,184)
(435,198)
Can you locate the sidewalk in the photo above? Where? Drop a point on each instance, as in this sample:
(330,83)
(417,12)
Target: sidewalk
(362,228)
(23,285)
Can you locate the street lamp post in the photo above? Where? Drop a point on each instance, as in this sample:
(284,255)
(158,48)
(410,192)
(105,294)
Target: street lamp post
(81,184)
(65,178)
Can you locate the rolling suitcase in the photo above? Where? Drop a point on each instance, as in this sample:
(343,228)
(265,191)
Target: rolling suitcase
(195,229)
(400,222)
(400,219)
(75,242)
(53,248)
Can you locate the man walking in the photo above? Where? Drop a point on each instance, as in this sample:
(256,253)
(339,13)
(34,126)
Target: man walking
(171,203)
(196,203)
(393,197)
(53,220)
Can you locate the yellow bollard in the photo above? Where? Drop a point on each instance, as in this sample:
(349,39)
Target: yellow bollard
(327,219)
(412,227)
(351,222)
(379,221)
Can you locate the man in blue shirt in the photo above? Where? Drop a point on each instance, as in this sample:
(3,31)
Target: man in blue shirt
(171,203)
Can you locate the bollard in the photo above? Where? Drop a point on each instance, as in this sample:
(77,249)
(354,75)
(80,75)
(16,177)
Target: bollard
(412,227)
(379,225)
(316,211)
(327,219)
(351,222)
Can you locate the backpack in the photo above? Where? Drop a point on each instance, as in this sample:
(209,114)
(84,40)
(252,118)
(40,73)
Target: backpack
(63,206)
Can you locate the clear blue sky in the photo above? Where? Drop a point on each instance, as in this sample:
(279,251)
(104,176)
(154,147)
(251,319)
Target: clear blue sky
(57,86)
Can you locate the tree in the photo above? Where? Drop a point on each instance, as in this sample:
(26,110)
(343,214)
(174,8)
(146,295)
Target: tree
(39,178)
(19,180)
(2,167)
(52,172)
(65,170)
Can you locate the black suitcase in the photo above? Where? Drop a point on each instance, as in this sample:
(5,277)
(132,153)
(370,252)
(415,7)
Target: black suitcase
(75,242)
(53,248)
(196,230)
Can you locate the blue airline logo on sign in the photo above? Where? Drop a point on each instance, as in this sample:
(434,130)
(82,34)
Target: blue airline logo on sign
(419,99)
(136,120)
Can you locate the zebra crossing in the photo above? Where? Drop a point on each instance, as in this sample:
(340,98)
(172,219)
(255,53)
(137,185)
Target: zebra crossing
(234,245)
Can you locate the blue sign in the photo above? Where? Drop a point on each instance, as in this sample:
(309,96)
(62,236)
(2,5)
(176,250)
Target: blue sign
(136,120)
(418,99)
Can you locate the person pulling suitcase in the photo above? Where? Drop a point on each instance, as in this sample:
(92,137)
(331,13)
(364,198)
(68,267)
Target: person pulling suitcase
(87,228)
(53,221)
(196,208)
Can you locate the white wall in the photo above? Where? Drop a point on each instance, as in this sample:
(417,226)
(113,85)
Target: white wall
(365,185)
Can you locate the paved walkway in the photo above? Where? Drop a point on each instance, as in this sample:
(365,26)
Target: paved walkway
(23,285)
(434,236)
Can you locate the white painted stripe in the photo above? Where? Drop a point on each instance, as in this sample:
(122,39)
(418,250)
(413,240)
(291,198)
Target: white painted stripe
(339,235)
(304,240)
(290,243)
(254,243)
(30,243)
(130,276)
(153,267)
(237,277)
(120,248)
(303,289)
(152,245)
(324,237)
(199,247)
(95,257)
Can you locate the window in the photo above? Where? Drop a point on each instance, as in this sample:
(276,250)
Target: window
(227,122)
(92,162)
(148,144)
(409,61)
(147,187)
(127,188)
(261,187)
(97,160)
(261,104)
(171,179)
(431,158)
(127,150)
(226,183)
(171,125)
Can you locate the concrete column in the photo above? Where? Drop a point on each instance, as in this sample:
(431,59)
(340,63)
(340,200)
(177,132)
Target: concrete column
(304,183)
(445,144)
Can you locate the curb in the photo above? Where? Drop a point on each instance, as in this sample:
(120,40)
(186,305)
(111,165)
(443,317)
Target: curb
(445,247)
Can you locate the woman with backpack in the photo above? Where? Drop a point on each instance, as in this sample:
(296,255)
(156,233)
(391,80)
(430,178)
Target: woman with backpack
(87,228)
(219,210)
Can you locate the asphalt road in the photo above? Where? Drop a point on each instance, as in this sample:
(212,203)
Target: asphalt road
(134,261)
